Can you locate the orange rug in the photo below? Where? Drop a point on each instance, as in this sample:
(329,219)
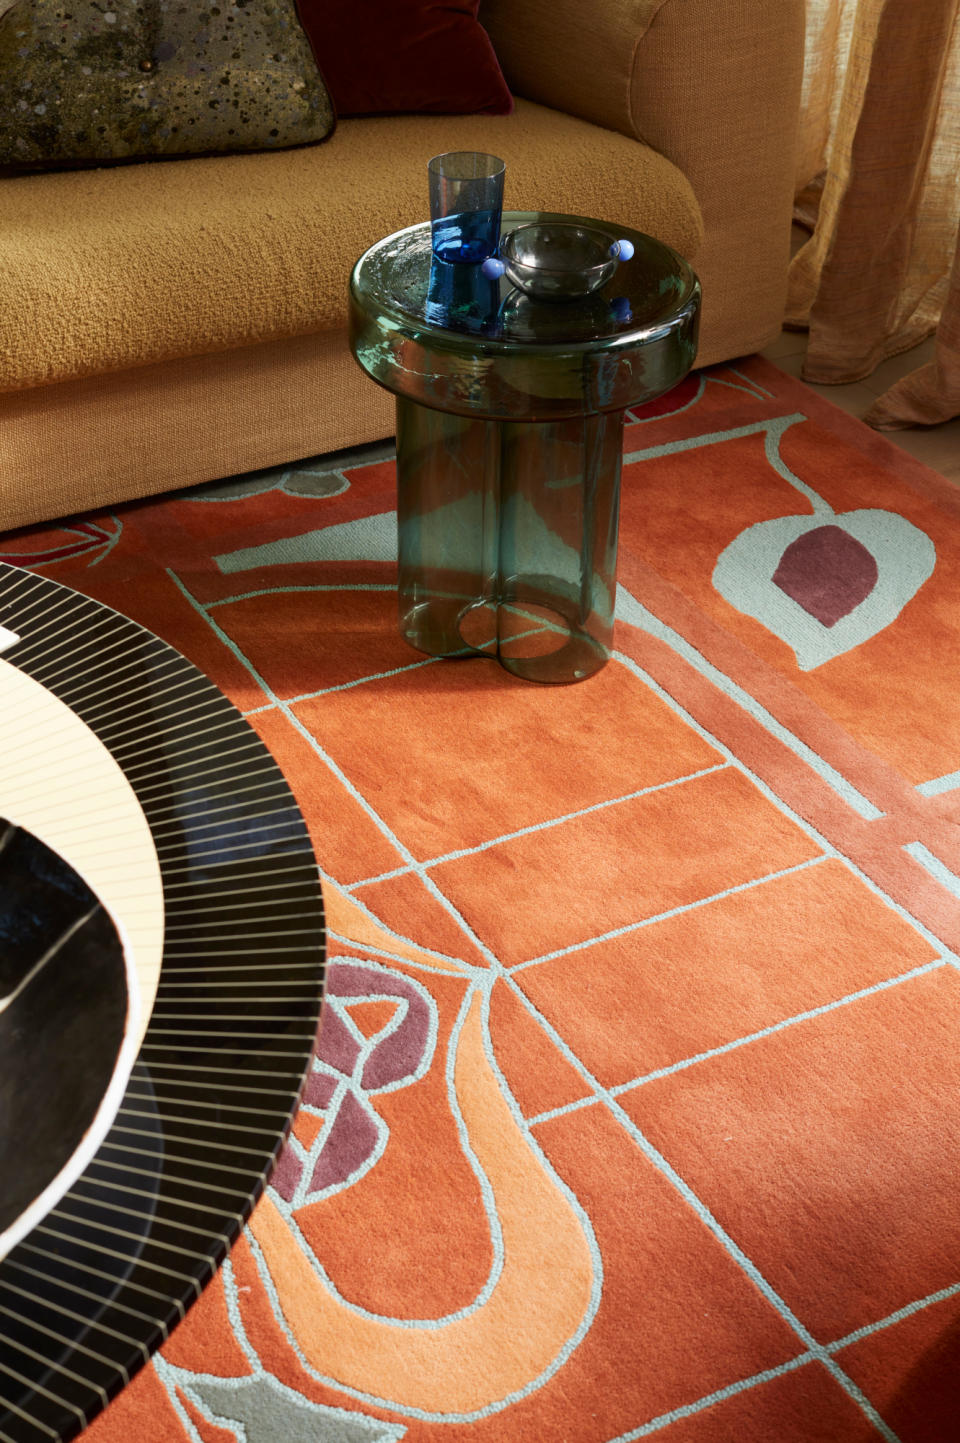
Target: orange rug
(636,1110)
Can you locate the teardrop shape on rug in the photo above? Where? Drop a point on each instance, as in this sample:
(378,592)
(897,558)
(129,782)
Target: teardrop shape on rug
(828,572)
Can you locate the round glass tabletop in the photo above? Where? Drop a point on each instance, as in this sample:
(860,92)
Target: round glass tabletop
(454,339)
(404,279)
(230,1000)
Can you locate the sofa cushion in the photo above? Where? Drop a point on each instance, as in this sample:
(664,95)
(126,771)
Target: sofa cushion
(102,270)
(417,55)
(549,55)
(712,84)
(85,84)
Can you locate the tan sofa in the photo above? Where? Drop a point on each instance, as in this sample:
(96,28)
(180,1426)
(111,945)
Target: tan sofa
(169,323)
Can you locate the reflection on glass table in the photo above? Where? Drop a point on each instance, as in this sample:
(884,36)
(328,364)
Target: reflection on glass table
(559,260)
(509,426)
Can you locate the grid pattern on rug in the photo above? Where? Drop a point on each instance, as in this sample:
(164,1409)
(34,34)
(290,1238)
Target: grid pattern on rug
(634,1110)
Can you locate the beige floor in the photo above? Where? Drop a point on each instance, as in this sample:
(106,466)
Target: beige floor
(936,446)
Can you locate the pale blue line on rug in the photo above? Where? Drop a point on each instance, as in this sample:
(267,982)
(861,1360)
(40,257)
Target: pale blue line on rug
(488,1199)
(689,1410)
(934,866)
(938,785)
(629,927)
(937,943)
(544,825)
(661,1163)
(942,1295)
(623,1087)
(603,1094)
(772,427)
(634,613)
(551,822)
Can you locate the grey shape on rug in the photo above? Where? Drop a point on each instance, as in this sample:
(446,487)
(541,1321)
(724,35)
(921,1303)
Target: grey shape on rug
(372,538)
(268,1411)
(315,484)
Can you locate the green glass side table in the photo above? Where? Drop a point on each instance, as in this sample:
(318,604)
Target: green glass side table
(509,438)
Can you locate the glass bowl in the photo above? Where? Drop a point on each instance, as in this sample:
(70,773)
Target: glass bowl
(556,260)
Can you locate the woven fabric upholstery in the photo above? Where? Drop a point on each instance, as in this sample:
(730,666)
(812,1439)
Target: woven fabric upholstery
(207,255)
(550,53)
(166,324)
(116,437)
(714,87)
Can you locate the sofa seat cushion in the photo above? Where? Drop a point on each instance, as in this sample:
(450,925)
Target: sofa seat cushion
(108,269)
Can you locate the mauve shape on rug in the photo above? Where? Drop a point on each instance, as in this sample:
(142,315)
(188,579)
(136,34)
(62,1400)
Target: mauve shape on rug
(813,591)
(348,1068)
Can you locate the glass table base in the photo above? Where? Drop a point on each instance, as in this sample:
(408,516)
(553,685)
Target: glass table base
(508,538)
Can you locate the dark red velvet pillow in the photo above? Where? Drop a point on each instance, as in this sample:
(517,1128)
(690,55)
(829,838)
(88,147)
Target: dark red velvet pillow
(393,56)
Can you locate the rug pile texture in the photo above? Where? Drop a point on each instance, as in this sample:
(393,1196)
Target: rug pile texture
(636,1104)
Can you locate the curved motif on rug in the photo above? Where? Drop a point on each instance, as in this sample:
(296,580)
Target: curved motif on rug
(338,1134)
(543,1288)
(825,582)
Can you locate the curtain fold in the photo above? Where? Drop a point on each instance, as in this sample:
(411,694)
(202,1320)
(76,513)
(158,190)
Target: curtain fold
(931,393)
(879,180)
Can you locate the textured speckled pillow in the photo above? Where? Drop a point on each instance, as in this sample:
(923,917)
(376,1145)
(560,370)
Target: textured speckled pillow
(87,82)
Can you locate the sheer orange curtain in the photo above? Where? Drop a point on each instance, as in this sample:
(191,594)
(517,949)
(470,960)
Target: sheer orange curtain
(879,181)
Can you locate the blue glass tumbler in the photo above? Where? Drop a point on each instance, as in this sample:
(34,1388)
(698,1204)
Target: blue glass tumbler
(466,204)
